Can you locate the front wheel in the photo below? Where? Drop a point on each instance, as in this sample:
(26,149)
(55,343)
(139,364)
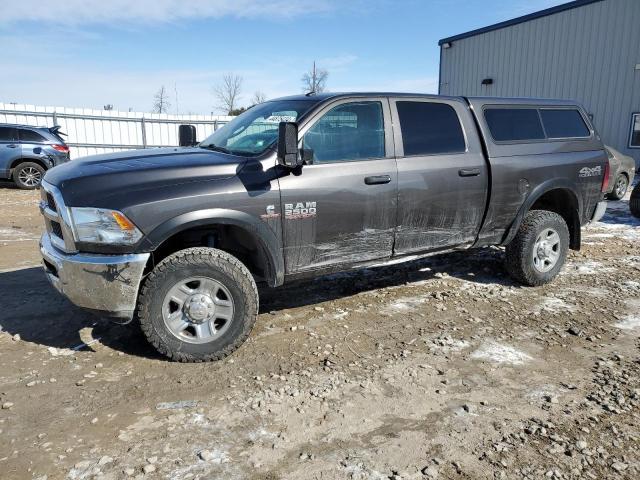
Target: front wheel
(198,305)
(620,187)
(538,251)
(28,175)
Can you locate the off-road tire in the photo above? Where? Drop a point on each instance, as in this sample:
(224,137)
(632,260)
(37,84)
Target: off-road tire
(190,262)
(614,195)
(634,203)
(24,166)
(519,253)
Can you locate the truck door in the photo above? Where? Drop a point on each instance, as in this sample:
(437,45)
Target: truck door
(442,174)
(341,207)
(9,149)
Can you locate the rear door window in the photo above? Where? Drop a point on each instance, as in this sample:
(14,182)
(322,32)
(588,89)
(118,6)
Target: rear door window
(7,134)
(30,136)
(430,128)
(564,123)
(514,124)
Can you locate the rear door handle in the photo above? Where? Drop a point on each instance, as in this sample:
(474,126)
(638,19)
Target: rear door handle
(377,179)
(469,172)
(13,145)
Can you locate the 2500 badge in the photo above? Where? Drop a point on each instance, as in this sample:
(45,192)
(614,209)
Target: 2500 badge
(292,211)
(298,210)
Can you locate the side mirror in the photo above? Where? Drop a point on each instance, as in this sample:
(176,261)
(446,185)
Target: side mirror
(288,145)
(187,136)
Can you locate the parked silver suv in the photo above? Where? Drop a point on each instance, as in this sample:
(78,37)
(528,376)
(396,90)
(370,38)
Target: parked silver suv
(26,152)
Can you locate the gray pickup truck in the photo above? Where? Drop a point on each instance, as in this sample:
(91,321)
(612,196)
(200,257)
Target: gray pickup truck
(300,186)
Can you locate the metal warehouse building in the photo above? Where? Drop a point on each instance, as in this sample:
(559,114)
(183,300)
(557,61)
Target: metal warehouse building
(586,50)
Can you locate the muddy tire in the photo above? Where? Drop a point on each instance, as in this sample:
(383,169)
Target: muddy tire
(539,249)
(28,175)
(198,305)
(620,187)
(634,203)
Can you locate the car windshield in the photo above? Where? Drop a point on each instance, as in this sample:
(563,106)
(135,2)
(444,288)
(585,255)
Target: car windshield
(256,130)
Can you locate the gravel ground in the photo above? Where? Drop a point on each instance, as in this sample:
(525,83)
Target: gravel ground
(441,368)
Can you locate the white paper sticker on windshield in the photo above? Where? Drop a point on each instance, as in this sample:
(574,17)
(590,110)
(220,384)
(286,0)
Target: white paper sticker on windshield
(280,117)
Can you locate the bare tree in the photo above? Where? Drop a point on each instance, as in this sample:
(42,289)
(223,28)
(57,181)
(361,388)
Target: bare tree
(258,97)
(315,80)
(161,102)
(228,92)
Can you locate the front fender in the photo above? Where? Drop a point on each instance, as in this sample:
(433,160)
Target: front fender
(536,193)
(271,247)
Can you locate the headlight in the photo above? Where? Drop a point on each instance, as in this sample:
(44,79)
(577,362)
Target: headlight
(100,225)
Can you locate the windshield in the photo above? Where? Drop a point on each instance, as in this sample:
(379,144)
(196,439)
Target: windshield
(256,130)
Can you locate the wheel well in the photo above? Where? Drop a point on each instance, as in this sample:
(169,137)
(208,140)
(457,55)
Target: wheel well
(232,239)
(28,160)
(564,203)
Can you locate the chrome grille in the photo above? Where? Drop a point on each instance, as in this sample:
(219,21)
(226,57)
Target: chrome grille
(56,229)
(51,202)
(56,218)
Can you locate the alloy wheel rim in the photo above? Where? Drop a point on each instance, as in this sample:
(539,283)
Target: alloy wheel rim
(30,176)
(546,250)
(621,187)
(198,310)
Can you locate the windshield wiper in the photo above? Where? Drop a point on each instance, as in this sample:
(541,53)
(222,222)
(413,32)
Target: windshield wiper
(216,148)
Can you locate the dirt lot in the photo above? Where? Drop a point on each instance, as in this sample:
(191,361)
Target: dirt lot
(438,368)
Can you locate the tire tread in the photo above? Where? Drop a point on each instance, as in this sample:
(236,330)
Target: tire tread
(517,252)
(219,259)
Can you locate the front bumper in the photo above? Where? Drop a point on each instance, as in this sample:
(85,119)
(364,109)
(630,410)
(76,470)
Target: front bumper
(599,212)
(106,284)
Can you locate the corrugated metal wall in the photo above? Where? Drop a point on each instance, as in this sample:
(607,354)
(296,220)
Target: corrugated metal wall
(100,131)
(590,54)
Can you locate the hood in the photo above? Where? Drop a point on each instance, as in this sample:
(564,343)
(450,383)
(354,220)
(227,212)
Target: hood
(95,180)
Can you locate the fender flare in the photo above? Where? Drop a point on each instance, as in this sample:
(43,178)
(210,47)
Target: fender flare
(269,243)
(536,193)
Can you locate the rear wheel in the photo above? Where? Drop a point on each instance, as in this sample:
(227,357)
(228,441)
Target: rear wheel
(538,251)
(198,305)
(620,187)
(28,175)
(634,203)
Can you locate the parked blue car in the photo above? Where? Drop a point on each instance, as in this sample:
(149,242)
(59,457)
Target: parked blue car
(26,152)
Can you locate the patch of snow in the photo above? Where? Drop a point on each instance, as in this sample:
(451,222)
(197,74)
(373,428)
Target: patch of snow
(500,353)
(60,352)
(215,456)
(632,322)
(404,304)
(177,405)
(588,267)
(554,305)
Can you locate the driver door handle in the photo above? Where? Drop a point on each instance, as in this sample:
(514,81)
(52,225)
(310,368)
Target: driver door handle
(12,145)
(469,172)
(377,179)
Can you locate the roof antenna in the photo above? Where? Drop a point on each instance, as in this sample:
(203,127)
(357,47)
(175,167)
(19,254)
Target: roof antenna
(313,82)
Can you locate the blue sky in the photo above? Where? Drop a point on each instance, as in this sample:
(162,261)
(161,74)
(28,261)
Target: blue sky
(88,53)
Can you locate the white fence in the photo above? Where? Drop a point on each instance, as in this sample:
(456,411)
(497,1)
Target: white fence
(100,131)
